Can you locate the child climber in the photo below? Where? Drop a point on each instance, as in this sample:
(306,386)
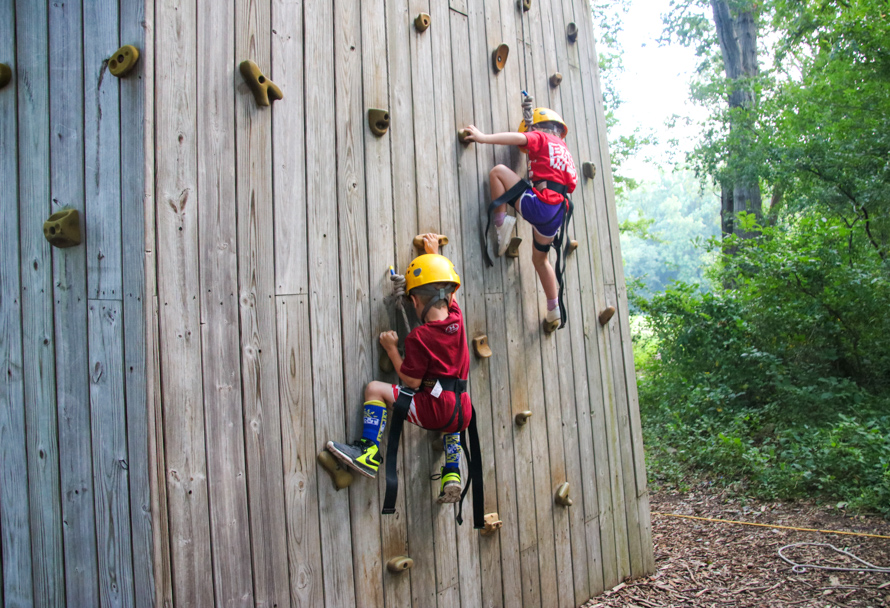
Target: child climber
(436,366)
(541,200)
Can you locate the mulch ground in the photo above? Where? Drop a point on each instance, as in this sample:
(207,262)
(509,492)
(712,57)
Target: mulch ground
(702,563)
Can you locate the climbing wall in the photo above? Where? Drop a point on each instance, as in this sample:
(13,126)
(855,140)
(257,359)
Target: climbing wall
(269,237)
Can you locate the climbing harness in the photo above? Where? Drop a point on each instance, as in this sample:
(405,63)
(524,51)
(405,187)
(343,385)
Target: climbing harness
(801,568)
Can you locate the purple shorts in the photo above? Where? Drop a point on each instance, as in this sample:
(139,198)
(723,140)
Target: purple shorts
(545,218)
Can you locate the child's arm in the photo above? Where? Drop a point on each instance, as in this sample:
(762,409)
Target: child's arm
(389,340)
(504,139)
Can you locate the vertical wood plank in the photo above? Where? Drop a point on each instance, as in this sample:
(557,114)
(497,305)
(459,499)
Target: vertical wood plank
(298,442)
(15,533)
(327,379)
(177,264)
(256,279)
(109,431)
(37,313)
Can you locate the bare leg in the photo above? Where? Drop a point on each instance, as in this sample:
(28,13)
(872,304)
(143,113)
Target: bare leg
(379,391)
(501,179)
(545,271)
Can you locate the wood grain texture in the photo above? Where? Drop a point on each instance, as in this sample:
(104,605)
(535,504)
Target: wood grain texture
(110,458)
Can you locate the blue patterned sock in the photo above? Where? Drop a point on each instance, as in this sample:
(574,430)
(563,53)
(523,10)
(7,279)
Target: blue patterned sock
(452,450)
(375,421)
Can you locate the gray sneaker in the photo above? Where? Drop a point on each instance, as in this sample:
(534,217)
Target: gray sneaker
(503,233)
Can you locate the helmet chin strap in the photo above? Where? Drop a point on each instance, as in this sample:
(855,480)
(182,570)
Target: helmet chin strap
(439,294)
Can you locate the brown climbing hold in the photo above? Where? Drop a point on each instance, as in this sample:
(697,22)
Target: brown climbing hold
(588,169)
(339,475)
(526,5)
(572,31)
(123,60)
(555,80)
(481,347)
(422,22)
(513,247)
(5,75)
(462,137)
(418,241)
(562,495)
(522,417)
(378,120)
(500,57)
(606,315)
(492,524)
(62,229)
(573,245)
(399,564)
(264,90)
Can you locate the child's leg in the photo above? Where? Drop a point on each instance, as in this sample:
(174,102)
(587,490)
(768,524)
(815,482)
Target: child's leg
(501,179)
(452,450)
(378,397)
(545,271)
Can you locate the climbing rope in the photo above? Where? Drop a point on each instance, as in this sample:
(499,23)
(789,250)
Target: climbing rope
(398,297)
(748,523)
(800,568)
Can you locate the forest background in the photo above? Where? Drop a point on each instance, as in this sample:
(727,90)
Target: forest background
(755,238)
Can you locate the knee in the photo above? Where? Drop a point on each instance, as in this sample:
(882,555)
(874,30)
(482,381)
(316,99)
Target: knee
(540,260)
(497,172)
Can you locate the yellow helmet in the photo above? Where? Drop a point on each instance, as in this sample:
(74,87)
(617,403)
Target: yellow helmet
(430,268)
(545,115)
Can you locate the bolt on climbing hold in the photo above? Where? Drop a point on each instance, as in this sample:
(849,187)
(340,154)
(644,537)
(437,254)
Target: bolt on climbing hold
(573,245)
(555,79)
(399,564)
(500,57)
(572,31)
(123,60)
(562,495)
(418,241)
(62,229)
(339,475)
(462,137)
(522,417)
(588,169)
(5,75)
(513,247)
(607,314)
(264,90)
(422,22)
(492,524)
(481,347)
(526,5)
(378,120)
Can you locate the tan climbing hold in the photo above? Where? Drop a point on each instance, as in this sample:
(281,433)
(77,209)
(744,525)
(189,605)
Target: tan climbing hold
(513,247)
(462,137)
(526,5)
(555,80)
(418,241)
(264,90)
(62,229)
(607,314)
(123,60)
(492,524)
(588,169)
(339,475)
(378,120)
(422,22)
(562,495)
(481,347)
(5,75)
(573,245)
(522,417)
(399,564)
(499,57)
(572,31)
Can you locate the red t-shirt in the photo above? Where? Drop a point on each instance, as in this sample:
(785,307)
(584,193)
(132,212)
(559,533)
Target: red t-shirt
(438,349)
(550,159)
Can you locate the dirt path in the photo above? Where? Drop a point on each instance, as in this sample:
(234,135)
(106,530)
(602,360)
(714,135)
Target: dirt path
(701,563)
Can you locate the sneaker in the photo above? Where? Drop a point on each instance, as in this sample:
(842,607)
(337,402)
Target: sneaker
(450,489)
(503,233)
(362,456)
(552,320)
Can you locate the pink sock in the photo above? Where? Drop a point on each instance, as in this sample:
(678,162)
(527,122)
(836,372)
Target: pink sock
(552,304)
(499,218)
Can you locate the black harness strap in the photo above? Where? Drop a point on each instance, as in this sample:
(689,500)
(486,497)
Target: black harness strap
(474,464)
(399,413)
(508,197)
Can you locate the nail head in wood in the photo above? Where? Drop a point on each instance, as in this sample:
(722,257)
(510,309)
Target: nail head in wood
(481,347)
(606,315)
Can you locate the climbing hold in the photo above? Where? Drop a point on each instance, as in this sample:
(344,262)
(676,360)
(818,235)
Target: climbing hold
(481,347)
(422,22)
(339,475)
(437,442)
(588,169)
(500,57)
(492,524)
(572,32)
(399,564)
(526,5)
(562,495)
(522,417)
(573,245)
(62,229)
(378,120)
(606,315)
(555,79)
(513,247)
(264,90)
(462,137)
(5,75)
(418,241)
(123,60)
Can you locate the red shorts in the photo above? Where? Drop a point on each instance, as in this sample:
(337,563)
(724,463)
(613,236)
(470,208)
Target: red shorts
(433,413)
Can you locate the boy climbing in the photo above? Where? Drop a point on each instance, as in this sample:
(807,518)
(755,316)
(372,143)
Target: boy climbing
(542,199)
(433,393)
